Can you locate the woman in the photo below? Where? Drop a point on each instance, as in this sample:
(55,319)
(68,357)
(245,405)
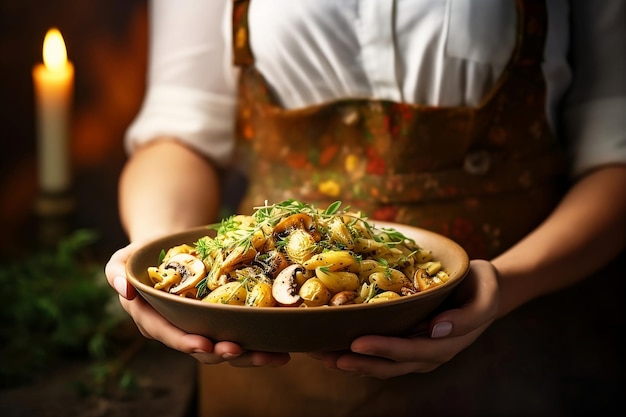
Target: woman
(495,123)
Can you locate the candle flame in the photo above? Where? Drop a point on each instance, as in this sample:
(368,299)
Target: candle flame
(54,52)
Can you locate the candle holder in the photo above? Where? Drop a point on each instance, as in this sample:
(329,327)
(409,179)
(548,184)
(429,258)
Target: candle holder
(54,214)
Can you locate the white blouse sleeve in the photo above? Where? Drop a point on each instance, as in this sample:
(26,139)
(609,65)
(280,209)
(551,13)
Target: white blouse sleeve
(594,113)
(191,87)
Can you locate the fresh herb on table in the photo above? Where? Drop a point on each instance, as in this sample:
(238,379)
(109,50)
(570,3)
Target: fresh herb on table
(54,307)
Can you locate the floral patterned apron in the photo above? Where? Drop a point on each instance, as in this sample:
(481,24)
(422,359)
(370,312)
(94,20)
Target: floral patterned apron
(484,176)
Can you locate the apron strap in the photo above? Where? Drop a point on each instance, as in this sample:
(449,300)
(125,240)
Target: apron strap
(242,54)
(534,21)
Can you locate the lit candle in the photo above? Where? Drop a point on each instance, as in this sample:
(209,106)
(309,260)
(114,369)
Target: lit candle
(54,84)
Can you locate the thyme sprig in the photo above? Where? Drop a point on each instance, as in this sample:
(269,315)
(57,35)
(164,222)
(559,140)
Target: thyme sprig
(239,231)
(265,217)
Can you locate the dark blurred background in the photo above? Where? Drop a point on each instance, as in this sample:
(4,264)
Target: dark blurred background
(106,41)
(64,349)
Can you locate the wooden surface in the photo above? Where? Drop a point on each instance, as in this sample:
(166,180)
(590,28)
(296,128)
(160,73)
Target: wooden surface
(166,388)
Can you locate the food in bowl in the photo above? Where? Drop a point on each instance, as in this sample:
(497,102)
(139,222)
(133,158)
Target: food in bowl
(292,254)
(294,328)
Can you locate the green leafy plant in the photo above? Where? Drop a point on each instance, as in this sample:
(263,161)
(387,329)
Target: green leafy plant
(54,306)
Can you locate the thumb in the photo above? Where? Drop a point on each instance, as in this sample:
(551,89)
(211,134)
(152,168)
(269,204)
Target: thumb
(477,299)
(115,272)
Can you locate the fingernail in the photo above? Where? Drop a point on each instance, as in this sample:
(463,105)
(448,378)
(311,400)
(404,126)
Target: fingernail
(228,356)
(121,286)
(441,329)
(348,368)
(200,351)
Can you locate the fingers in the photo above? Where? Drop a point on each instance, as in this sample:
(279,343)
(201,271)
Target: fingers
(149,322)
(115,271)
(374,366)
(256,359)
(154,326)
(478,300)
(386,357)
(381,368)
(421,350)
(475,304)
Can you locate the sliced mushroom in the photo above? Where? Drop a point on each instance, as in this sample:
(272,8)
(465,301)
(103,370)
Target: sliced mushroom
(343,298)
(163,278)
(300,221)
(285,286)
(191,270)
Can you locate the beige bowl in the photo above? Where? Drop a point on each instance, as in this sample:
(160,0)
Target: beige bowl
(297,329)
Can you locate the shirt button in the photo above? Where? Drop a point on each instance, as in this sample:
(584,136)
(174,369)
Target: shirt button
(477,162)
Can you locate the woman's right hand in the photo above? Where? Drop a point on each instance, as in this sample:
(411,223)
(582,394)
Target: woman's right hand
(154,326)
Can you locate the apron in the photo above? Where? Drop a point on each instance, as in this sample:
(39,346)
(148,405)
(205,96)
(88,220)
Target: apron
(484,176)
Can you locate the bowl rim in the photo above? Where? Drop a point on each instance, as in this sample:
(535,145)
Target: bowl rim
(145,289)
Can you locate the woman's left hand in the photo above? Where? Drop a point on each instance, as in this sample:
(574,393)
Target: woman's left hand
(448,333)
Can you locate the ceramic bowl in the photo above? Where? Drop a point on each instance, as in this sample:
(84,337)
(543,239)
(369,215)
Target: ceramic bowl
(297,329)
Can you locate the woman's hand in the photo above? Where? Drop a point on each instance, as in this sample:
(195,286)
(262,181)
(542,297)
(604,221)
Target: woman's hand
(448,333)
(154,326)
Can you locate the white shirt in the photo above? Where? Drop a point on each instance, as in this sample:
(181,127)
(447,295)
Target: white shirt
(443,52)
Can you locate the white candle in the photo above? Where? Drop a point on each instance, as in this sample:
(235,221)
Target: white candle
(54,85)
